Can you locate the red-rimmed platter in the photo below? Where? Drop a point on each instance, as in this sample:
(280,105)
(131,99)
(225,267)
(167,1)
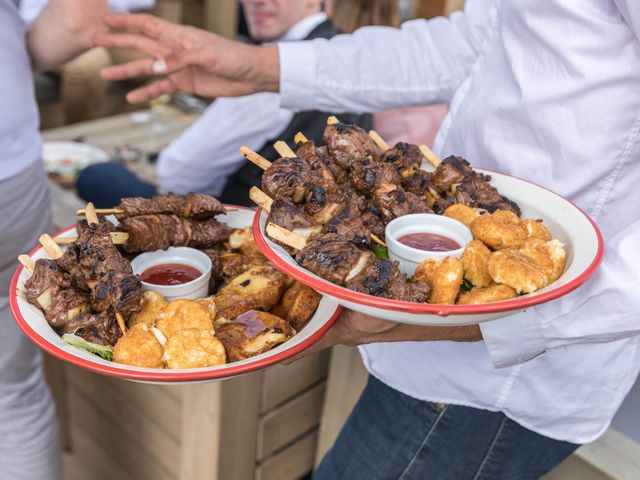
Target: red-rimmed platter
(34,325)
(566,222)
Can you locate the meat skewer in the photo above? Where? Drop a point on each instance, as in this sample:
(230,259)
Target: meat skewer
(378,139)
(284,150)
(430,156)
(27,262)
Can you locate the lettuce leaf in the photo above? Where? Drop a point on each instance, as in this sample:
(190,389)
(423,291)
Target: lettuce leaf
(104,351)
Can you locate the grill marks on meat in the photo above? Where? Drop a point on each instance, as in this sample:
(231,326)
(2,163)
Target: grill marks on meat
(451,171)
(286,214)
(366,176)
(159,232)
(117,292)
(403,156)
(287,177)
(349,144)
(99,328)
(408,291)
(393,202)
(376,278)
(477,192)
(195,205)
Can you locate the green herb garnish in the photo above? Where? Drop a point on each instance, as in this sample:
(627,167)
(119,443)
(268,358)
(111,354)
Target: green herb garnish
(104,351)
(380,251)
(466,285)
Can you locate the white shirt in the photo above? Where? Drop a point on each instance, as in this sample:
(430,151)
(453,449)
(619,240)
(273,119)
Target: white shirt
(30,9)
(207,153)
(548,91)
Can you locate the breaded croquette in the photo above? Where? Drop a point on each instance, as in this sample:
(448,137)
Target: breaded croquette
(492,293)
(535,229)
(181,314)
(474,262)
(517,270)
(462,213)
(502,229)
(443,276)
(139,347)
(152,302)
(194,348)
(298,304)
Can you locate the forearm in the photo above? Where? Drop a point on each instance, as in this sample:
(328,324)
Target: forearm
(416,333)
(63,30)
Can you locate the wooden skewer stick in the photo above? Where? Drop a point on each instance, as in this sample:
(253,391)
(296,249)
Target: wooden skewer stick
(260,198)
(51,247)
(332,120)
(253,157)
(300,138)
(285,236)
(90,213)
(101,211)
(284,150)
(27,262)
(121,324)
(431,157)
(375,136)
(377,240)
(118,238)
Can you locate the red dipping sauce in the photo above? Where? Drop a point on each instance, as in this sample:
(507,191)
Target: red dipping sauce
(431,242)
(170,274)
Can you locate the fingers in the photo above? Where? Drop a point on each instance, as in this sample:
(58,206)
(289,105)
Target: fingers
(151,91)
(141,23)
(136,68)
(130,41)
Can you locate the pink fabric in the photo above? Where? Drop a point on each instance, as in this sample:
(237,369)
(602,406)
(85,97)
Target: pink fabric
(418,125)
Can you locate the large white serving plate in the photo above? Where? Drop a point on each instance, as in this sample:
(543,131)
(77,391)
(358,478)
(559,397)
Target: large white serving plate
(32,322)
(565,220)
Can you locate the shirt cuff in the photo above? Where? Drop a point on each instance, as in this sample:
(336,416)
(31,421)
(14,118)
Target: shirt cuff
(514,339)
(297,75)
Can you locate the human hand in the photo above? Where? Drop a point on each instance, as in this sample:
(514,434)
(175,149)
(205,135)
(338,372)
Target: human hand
(187,59)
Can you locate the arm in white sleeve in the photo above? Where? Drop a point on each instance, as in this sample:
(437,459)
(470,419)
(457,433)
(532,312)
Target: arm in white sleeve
(605,309)
(377,68)
(207,153)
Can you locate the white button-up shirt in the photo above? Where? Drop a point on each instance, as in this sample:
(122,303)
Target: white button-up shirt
(544,90)
(207,153)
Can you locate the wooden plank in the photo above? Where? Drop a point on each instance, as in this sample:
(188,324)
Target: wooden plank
(613,454)
(239,427)
(346,380)
(151,401)
(124,450)
(291,463)
(282,382)
(289,421)
(574,468)
(200,433)
(89,460)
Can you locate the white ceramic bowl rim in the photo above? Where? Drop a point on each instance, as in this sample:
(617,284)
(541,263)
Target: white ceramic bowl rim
(173,255)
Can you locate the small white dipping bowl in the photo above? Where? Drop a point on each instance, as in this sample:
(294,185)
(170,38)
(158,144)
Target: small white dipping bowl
(197,288)
(408,257)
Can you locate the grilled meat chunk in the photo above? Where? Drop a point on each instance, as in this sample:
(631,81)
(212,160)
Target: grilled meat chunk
(46,274)
(120,292)
(393,202)
(287,177)
(408,292)
(403,156)
(376,278)
(195,205)
(286,214)
(367,175)
(477,192)
(415,181)
(99,328)
(349,144)
(451,171)
(207,233)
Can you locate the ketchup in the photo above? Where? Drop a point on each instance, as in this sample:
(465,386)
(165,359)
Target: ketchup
(170,274)
(431,242)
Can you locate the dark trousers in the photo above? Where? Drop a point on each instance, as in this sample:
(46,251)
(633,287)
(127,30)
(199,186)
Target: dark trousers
(105,184)
(390,435)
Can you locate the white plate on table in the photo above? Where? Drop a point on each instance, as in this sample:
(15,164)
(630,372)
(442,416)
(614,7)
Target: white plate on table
(67,159)
(32,322)
(567,223)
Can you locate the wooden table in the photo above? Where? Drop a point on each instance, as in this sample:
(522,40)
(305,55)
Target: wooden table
(262,425)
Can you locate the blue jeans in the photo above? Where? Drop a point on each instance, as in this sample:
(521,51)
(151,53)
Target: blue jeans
(105,184)
(390,435)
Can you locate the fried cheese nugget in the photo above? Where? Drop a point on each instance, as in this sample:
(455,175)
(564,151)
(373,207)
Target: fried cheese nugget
(194,348)
(152,302)
(182,314)
(242,239)
(258,288)
(492,293)
(210,304)
(252,333)
(501,229)
(139,347)
(550,256)
(443,276)
(474,262)
(462,213)
(535,229)
(517,270)
(298,304)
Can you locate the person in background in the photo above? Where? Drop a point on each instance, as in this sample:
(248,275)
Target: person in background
(547,91)
(29,445)
(206,158)
(418,125)
(83,94)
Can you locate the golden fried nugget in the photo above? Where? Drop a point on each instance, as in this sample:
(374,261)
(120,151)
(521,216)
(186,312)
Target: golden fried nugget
(535,229)
(443,276)
(550,256)
(242,239)
(492,293)
(558,258)
(502,229)
(152,302)
(474,262)
(194,348)
(258,288)
(251,333)
(299,303)
(139,347)
(462,213)
(517,270)
(181,314)
(210,303)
